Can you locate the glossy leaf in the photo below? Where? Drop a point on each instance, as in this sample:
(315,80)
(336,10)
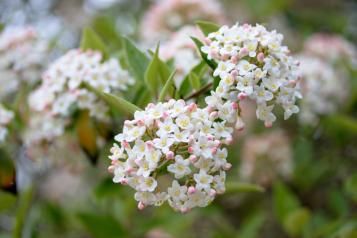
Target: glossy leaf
(194,80)
(199,44)
(284,201)
(207,27)
(105,27)
(91,41)
(166,88)
(237,187)
(136,59)
(115,102)
(156,73)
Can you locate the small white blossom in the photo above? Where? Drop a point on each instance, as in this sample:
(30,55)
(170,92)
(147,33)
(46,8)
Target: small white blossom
(252,62)
(176,139)
(61,92)
(5,118)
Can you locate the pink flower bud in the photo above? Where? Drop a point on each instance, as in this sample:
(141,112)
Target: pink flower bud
(268,124)
(125,144)
(141,206)
(227,166)
(210,137)
(184,209)
(234,60)
(234,72)
(260,57)
(234,105)
(214,150)
(111,169)
(242,96)
(213,115)
(243,52)
(207,41)
(212,192)
(165,115)
(217,143)
(140,123)
(170,155)
(192,107)
(210,109)
(149,144)
(239,124)
(190,150)
(193,158)
(191,190)
(228,141)
(124,181)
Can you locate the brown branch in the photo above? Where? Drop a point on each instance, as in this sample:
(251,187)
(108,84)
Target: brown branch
(198,92)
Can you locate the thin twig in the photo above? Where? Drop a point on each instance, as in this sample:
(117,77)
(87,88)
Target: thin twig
(201,90)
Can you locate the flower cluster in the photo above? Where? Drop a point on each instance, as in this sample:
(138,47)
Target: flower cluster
(22,55)
(176,142)
(165,17)
(324,88)
(332,48)
(252,62)
(266,157)
(61,90)
(181,49)
(5,118)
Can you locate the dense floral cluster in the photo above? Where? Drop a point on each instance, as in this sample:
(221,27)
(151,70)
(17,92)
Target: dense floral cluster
(332,48)
(266,157)
(252,62)
(181,49)
(166,17)
(5,118)
(61,89)
(324,88)
(179,142)
(22,55)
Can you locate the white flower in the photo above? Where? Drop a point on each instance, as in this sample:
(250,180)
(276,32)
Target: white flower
(148,184)
(61,89)
(203,180)
(265,114)
(177,192)
(176,140)
(180,168)
(259,67)
(324,89)
(22,57)
(223,69)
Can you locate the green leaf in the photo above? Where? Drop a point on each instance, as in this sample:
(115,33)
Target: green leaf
(199,44)
(7,201)
(194,80)
(166,87)
(252,225)
(207,27)
(115,102)
(199,70)
(156,73)
(136,59)
(101,226)
(296,221)
(284,201)
(91,41)
(237,187)
(23,210)
(105,27)
(350,186)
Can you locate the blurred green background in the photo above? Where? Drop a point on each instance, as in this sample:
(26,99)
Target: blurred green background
(318,199)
